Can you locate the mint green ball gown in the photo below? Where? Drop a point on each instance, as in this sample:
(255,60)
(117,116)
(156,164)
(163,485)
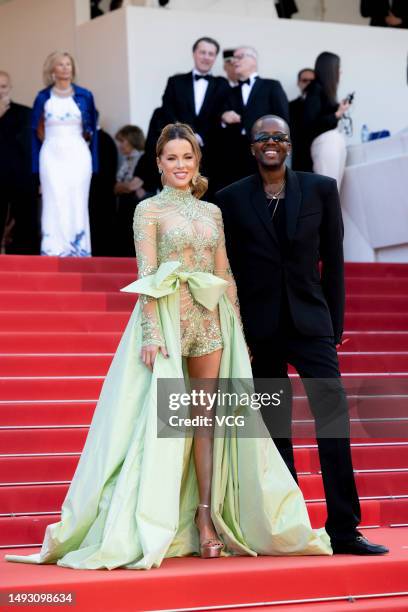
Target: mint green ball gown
(133,497)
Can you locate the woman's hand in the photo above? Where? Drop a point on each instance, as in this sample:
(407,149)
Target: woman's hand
(343,108)
(149,353)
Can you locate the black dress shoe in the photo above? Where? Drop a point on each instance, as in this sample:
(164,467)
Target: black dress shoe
(358,546)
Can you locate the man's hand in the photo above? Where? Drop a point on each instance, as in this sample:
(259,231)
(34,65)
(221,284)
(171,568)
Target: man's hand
(123,187)
(149,353)
(392,20)
(231,117)
(135,184)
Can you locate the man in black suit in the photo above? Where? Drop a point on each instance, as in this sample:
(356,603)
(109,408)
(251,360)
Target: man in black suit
(386,13)
(17,186)
(279,224)
(196,97)
(102,200)
(300,160)
(253,98)
(286,8)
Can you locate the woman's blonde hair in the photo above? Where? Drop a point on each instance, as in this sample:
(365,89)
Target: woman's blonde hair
(182,131)
(49,64)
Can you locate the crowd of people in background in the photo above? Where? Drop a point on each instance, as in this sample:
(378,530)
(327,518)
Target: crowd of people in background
(88,197)
(69,189)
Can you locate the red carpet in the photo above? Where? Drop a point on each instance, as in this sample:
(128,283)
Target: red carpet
(60,322)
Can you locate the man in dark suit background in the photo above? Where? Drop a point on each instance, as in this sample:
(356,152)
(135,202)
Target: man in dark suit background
(286,8)
(17,185)
(253,98)
(196,97)
(279,225)
(386,13)
(296,112)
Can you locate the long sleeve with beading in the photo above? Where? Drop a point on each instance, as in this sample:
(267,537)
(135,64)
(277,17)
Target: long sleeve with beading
(222,267)
(145,234)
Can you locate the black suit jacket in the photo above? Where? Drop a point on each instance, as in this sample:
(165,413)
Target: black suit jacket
(178,103)
(15,144)
(315,232)
(286,8)
(379,9)
(267,97)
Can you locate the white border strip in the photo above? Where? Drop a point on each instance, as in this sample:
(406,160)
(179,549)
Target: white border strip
(346,598)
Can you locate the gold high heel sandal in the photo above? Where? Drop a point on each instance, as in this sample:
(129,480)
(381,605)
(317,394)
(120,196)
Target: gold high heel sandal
(210,549)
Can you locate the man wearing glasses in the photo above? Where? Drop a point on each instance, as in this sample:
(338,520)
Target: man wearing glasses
(279,226)
(243,105)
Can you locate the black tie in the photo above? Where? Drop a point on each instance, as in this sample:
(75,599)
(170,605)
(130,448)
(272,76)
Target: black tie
(197,77)
(247,81)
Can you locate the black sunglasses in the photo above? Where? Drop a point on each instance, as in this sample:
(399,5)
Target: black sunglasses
(265,137)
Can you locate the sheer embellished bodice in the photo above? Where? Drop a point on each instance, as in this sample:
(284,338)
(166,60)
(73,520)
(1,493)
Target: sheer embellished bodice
(176,226)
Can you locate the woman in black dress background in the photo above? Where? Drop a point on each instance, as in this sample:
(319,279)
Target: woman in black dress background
(325,144)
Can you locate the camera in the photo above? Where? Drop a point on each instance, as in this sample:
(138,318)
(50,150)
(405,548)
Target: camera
(350,98)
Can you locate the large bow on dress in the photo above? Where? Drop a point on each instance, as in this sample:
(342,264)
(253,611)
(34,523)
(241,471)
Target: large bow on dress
(206,288)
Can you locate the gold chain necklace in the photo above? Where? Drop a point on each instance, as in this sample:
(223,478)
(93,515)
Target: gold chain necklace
(276,196)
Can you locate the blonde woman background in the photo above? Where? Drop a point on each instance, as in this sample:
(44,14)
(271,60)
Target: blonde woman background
(64,125)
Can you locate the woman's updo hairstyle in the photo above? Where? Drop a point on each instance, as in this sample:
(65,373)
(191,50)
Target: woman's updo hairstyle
(182,131)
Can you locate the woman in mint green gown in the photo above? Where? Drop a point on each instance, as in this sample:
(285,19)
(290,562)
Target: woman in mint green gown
(134,496)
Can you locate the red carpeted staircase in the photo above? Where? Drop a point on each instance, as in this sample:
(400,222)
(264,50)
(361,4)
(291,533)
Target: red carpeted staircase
(60,323)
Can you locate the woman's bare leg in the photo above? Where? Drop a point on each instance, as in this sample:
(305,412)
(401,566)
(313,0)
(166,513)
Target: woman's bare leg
(206,369)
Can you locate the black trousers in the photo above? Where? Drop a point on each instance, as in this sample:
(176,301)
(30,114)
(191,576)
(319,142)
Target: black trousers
(22,202)
(313,358)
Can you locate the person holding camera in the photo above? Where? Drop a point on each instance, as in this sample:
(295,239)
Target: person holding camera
(324,144)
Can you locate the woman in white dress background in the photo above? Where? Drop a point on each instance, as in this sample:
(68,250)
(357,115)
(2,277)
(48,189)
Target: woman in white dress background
(64,125)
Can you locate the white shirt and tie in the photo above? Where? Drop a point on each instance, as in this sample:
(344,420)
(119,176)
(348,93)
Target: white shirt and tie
(200,87)
(246,89)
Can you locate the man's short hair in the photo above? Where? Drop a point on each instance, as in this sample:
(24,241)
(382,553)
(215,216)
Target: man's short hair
(207,39)
(260,120)
(304,70)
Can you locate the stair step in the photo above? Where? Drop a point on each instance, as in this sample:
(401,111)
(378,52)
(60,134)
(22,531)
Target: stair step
(374,341)
(85,364)
(64,412)
(115,321)
(88,387)
(376,284)
(102,342)
(58,466)
(66,301)
(55,365)
(375,302)
(107,296)
(38,263)
(72,437)
(14,496)
(29,529)
(368,457)
(69,281)
(63,321)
